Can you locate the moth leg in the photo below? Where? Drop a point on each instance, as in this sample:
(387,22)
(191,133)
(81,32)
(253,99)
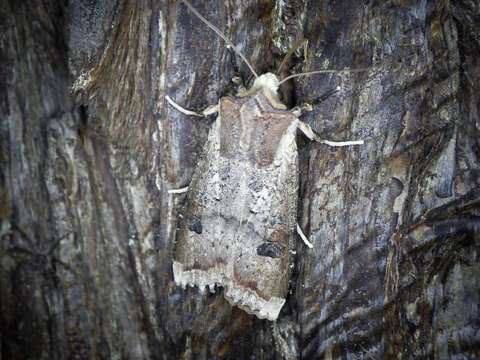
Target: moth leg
(309,133)
(178,191)
(306,107)
(212,109)
(299,110)
(303,237)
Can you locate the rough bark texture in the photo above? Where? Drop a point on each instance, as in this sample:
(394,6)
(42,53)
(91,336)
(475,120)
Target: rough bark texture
(89,148)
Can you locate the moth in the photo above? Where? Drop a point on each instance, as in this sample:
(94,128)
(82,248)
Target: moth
(239,224)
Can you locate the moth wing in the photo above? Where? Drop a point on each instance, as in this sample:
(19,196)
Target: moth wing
(238,224)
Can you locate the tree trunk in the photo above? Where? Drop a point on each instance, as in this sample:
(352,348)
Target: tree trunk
(89,148)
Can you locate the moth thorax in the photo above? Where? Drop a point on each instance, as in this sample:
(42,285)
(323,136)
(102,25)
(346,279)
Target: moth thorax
(268,83)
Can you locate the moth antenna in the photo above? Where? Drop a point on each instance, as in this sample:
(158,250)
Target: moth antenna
(321,72)
(219,33)
(294,47)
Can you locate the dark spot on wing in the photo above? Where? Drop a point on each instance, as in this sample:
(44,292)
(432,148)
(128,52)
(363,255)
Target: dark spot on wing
(270,249)
(194,224)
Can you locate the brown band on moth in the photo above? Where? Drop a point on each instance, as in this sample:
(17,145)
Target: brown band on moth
(206,266)
(251,284)
(266,135)
(251,128)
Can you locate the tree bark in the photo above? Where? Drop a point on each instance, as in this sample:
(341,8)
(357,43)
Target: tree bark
(89,148)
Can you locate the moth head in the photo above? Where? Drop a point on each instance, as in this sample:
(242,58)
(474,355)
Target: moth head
(268,84)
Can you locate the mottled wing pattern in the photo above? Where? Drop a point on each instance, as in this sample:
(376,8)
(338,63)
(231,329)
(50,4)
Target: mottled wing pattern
(238,224)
